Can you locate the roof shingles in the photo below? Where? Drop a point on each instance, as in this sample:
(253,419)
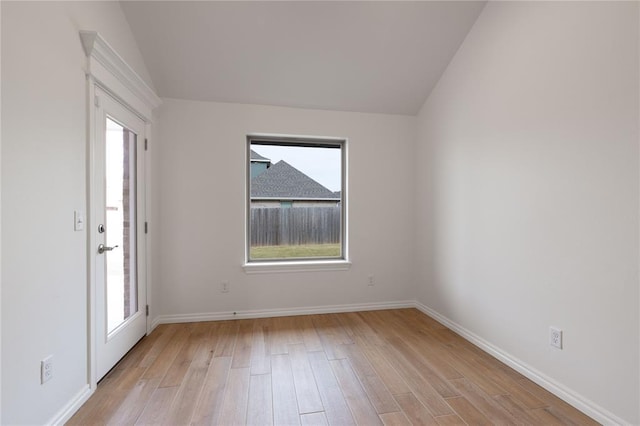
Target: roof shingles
(283,181)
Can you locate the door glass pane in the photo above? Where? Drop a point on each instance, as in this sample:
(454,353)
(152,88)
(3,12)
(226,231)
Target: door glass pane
(121,276)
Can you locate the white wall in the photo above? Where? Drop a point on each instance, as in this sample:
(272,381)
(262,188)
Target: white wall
(527,184)
(201,195)
(44,282)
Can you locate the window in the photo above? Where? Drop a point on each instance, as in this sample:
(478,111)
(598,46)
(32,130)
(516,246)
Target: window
(295,199)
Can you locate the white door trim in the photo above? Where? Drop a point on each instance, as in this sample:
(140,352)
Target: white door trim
(108,71)
(111,345)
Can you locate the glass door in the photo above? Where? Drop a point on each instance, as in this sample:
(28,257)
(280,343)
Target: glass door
(118,186)
(120,224)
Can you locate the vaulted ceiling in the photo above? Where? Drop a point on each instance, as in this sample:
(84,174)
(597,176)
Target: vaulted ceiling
(382,57)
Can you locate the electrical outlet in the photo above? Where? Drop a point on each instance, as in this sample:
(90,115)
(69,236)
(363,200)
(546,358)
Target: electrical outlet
(371,281)
(46,369)
(555,337)
(224,287)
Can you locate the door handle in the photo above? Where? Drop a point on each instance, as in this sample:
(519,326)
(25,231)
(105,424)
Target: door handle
(102,248)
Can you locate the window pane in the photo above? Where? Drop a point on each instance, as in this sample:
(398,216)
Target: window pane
(295,206)
(121,282)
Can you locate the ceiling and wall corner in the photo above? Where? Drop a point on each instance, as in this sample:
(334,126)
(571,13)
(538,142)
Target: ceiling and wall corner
(378,57)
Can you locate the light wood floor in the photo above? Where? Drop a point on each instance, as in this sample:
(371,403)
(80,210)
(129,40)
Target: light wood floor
(391,367)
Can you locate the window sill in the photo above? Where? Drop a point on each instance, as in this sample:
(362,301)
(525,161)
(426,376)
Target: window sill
(300,266)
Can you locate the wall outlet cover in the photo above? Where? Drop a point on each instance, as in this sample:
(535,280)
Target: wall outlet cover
(46,369)
(555,337)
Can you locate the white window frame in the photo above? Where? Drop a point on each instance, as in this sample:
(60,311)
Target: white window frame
(306,264)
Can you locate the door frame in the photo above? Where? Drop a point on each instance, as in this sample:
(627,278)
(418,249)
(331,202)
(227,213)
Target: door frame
(105,69)
(127,333)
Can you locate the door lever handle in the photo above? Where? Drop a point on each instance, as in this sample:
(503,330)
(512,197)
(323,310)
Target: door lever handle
(102,248)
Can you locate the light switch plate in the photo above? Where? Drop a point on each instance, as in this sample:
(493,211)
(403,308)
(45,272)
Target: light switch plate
(78,220)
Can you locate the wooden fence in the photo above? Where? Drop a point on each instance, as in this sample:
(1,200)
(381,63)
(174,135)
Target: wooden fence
(294,226)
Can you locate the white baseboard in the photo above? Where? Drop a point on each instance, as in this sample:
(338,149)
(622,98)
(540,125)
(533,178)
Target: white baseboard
(571,397)
(62,416)
(267,313)
(581,403)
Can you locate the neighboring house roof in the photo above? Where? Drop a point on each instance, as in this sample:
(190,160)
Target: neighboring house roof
(283,181)
(257,157)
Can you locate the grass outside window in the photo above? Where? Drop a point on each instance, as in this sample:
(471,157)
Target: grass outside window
(295,251)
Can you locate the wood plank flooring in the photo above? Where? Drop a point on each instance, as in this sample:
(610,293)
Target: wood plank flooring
(394,367)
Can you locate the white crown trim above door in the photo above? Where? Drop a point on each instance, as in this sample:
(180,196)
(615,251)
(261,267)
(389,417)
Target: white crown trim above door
(110,71)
